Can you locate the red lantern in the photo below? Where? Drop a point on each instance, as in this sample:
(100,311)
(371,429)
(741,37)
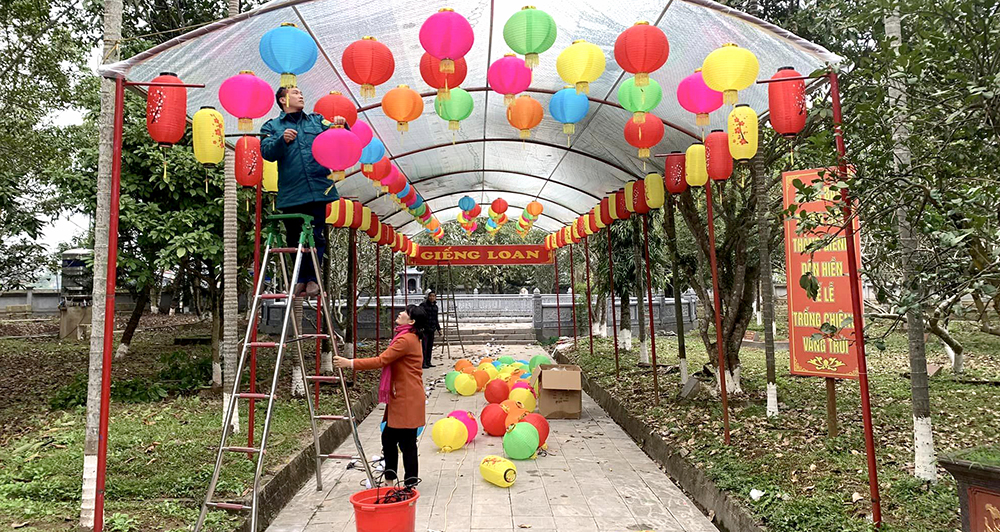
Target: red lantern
(640,50)
(336,104)
(639,205)
(604,210)
(786,101)
(368,63)
(475,211)
(720,163)
(373,225)
(499,206)
(166,110)
(673,173)
(621,205)
(645,135)
(430,70)
(356,219)
(380,170)
(342,208)
(249,163)
(591,222)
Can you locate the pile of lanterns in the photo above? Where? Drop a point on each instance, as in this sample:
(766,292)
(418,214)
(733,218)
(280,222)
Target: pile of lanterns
(498,217)
(470,211)
(528,217)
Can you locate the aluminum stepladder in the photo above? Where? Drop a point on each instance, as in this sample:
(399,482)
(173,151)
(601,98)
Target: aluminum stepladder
(450,311)
(306,245)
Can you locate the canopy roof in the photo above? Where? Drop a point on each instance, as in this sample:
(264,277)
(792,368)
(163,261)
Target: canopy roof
(486,159)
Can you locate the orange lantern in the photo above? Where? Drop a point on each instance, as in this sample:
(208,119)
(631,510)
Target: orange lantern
(525,114)
(403,105)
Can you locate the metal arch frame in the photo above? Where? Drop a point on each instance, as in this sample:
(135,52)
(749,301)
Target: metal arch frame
(498,191)
(402,228)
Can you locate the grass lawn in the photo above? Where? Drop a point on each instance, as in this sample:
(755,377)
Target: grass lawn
(812,482)
(161,450)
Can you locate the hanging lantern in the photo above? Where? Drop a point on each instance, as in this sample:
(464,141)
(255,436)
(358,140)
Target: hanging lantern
(590,224)
(568,107)
(639,205)
(595,214)
(525,114)
(455,108)
(530,32)
(730,69)
(363,132)
(371,154)
(620,205)
(288,51)
(604,211)
(743,133)
(653,185)
(466,203)
(403,105)
(246,97)
(337,149)
(508,76)
(270,180)
(249,163)
(639,100)
(695,97)
(373,226)
(673,173)
(166,110)
(447,36)
(786,103)
(358,217)
(430,70)
(207,135)
(379,170)
(368,63)
(718,159)
(695,165)
(640,50)
(645,135)
(396,183)
(336,104)
(534,208)
(581,64)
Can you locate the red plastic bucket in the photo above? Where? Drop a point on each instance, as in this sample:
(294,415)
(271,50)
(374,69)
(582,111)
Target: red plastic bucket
(392,517)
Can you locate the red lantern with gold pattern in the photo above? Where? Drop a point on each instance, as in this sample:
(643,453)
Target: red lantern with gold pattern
(720,162)
(249,163)
(673,173)
(166,110)
(621,205)
(786,102)
(639,205)
(604,209)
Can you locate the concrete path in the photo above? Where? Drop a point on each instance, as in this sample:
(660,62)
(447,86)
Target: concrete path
(594,478)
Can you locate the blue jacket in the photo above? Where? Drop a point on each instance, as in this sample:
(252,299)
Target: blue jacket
(300,178)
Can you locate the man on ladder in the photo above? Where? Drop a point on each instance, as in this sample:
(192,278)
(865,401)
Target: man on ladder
(430,307)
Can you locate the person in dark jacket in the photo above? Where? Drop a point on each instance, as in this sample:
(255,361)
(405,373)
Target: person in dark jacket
(303,186)
(431,309)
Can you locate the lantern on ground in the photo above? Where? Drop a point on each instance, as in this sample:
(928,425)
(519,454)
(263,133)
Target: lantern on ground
(449,433)
(521,441)
(639,100)
(718,159)
(695,166)
(786,102)
(640,50)
(166,110)
(530,32)
(653,184)
(508,76)
(447,36)
(337,149)
(368,63)
(249,163)
(430,70)
(568,107)
(696,97)
(673,173)
(246,97)
(336,104)
(455,108)
(743,133)
(525,114)
(730,69)
(581,64)
(207,135)
(645,135)
(403,105)
(288,51)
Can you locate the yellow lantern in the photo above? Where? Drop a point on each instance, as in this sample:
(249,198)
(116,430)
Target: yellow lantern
(498,471)
(366,219)
(597,219)
(270,176)
(525,397)
(743,133)
(206,131)
(695,165)
(449,434)
(654,190)
(378,233)
(730,69)
(348,212)
(629,194)
(331,218)
(580,64)
(586,223)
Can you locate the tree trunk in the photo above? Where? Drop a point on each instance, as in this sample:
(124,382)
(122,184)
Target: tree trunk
(601,323)
(766,289)
(156,292)
(670,230)
(133,323)
(640,278)
(350,299)
(230,298)
(923,436)
(216,313)
(102,218)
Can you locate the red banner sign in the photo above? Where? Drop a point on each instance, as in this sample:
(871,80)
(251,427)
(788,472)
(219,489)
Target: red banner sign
(481,255)
(833,352)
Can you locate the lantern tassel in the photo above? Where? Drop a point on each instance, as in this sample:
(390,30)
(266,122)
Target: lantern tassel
(531,60)
(639,117)
(644,152)
(701,119)
(245,124)
(444,94)
(453,125)
(508,99)
(447,66)
(367,90)
(729,96)
(569,129)
(525,133)
(287,79)
(402,126)
(164,154)
(641,79)
(582,87)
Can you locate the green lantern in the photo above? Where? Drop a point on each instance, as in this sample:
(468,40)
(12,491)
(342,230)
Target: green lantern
(530,32)
(538,360)
(455,109)
(506,360)
(521,441)
(449,380)
(639,100)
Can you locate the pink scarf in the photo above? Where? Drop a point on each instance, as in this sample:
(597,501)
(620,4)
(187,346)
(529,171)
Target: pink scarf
(385,383)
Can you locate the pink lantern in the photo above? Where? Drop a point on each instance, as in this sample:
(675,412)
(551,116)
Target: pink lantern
(410,198)
(394,182)
(509,76)
(337,149)
(447,36)
(695,97)
(363,131)
(246,97)
(470,422)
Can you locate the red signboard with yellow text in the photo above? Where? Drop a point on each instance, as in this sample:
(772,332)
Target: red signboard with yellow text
(831,352)
(481,255)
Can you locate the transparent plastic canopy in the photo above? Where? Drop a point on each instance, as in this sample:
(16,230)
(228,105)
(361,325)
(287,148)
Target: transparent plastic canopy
(486,158)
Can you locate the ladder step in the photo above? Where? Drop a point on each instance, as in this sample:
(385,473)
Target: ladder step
(314,336)
(338,457)
(241,449)
(263,344)
(253,396)
(331,418)
(274,296)
(322,378)
(290,250)
(228,505)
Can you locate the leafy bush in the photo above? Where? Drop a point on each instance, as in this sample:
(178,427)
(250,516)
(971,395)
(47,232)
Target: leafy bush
(183,372)
(122,523)
(70,395)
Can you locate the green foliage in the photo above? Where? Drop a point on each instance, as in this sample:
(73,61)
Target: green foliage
(183,372)
(119,522)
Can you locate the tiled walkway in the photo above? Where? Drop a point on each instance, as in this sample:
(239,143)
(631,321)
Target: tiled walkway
(594,478)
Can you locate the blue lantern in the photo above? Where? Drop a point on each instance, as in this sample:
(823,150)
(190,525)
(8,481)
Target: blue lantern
(568,107)
(371,154)
(288,51)
(466,203)
(417,202)
(405,192)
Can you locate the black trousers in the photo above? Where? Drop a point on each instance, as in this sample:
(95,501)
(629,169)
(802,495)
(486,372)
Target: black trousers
(404,440)
(428,345)
(293,228)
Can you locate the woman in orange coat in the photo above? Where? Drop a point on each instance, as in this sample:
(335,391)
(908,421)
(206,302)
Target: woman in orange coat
(402,389)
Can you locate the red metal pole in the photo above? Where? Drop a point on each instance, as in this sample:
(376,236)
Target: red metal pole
(572,287)
(717,297)
(378,298)
(649,298)
(857,305)
(109,303)
(406,285)
(253,332)
(590,313)
(614,318)
(555,268)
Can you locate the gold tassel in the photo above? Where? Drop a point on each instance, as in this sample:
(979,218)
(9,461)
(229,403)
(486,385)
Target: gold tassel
(164,154)
(531,60)
(245,124)
(453,125)
(644,152)
(367,167)
(701,119)
(367,90)
(525,133)
(444,94)
(569,129)
(402,126)
(729,96)
(639,117)
(582,87)
(641,79)
(447,66)
(508,99)
(287,80)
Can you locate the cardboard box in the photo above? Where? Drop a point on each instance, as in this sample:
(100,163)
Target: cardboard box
(560,391)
